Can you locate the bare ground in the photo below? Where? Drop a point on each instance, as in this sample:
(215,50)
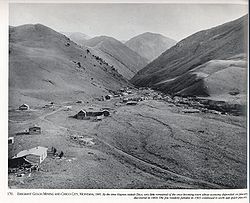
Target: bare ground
(150,145)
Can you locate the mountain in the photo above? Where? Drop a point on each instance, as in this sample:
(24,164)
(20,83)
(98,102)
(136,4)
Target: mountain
(126,61)
(207,63)
(150,45)
(45,65)
(77,37)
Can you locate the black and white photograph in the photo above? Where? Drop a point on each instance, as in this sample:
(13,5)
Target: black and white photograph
(127,96)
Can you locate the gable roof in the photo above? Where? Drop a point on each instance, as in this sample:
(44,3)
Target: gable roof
(34,127)
(24,105)
(82,111)
(38,151)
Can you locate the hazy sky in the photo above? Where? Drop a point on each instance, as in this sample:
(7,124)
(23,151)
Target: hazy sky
(124,21)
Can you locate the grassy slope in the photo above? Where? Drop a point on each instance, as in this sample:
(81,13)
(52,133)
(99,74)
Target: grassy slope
(221,42)
(216,78)
(125,60)
(43,66)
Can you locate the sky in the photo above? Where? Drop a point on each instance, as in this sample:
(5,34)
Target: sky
(124,21)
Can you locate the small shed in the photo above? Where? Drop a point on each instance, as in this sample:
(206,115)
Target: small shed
(11,140)
(35,130)
(191,111)
(48,106)
(68,108)
(105,113)
(131,103)
(125,100)
(81,115)
(24,107)
(99,118)
(108,97)
(34,155)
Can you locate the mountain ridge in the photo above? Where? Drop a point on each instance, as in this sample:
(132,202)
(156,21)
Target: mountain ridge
(77,37)
(150,45)
(126,61)
(218,43)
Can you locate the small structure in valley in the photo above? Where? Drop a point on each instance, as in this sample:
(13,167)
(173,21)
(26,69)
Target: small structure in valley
(24,107)
(81,115)
(92,112)
(131,103)
(48,105)
(191,111)
(67,108)
(108,97)
(35,130)
(105,113)
(10,140)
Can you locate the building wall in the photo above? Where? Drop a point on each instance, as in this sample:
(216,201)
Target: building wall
(81,117)
(35,130)
(11,140)
(33,158)
(16,162)
(96,113)
(43,156)
(23,108)
(106,113)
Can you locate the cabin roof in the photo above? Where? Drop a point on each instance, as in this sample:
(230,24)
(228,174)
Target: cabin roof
(82,111)
(38,151)
(24,105)
(36,127)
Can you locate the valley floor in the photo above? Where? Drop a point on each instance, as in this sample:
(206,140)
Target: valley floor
(153,144)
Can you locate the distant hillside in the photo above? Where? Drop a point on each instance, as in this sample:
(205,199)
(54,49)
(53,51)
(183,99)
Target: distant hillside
(125,60)
(150,45)
(200,64)
(45,65)
(77,37)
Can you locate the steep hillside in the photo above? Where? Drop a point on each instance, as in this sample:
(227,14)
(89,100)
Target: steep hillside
(150,45)
(45,65)
(126,61)
(77,37)
(201,64)
(219,79)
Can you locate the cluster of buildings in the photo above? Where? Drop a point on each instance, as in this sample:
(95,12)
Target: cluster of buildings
(29,158)
(86,114)
(31,131)
(35,156)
